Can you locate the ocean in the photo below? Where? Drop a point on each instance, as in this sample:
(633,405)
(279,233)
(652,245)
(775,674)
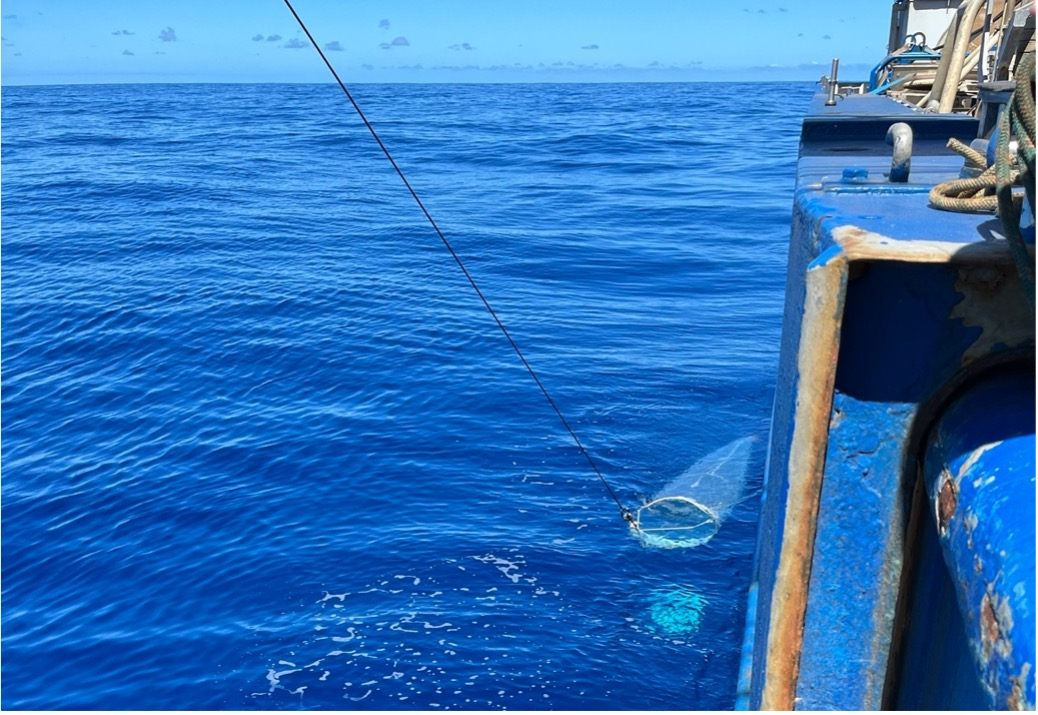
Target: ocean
(264,448)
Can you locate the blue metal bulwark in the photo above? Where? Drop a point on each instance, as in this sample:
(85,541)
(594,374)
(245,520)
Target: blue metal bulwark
(891,306)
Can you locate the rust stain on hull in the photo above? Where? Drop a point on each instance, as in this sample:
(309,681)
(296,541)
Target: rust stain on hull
(985,277)
(819,347)
(862,245)
(1018,701)
(991,296)
(947,501)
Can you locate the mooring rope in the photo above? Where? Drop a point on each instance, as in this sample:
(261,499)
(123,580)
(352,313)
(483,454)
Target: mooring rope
(1018,118)
(973,194)
(625,513)
(991,190)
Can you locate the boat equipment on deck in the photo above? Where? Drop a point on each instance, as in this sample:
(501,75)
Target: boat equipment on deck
(991,190)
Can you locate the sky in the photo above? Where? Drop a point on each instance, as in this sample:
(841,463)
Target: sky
(129,41)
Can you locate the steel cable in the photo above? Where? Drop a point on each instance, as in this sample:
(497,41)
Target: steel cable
(625,513)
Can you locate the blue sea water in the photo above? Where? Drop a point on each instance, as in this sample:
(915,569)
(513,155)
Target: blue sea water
(263,447)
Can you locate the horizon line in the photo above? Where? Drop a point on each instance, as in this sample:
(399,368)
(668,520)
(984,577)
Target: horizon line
(357,82)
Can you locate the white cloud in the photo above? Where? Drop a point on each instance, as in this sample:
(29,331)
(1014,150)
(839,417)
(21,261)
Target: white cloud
(397,42)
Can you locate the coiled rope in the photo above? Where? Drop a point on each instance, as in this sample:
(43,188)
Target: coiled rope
(972,194)
(991,191)
(625,513)
(1020,116)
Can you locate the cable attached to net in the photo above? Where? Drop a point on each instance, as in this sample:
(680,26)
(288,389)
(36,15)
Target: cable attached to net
(624,511)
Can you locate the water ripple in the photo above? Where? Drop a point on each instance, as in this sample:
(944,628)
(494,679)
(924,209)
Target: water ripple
(263,448)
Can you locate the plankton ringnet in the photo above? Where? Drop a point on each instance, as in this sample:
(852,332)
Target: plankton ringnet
(689,511)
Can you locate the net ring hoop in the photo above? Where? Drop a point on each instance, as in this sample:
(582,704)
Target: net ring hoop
(710,513)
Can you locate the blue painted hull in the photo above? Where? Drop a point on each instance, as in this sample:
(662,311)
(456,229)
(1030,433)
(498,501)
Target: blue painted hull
(907,345)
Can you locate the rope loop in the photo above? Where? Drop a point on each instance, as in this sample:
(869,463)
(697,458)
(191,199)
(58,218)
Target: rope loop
(991,190)
(974,194)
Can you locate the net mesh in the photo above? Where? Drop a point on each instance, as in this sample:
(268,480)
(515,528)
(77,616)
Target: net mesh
(689,511)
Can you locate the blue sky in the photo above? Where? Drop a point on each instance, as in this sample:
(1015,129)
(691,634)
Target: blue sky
(73,41)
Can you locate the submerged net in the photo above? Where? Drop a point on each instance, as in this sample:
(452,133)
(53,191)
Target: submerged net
(689,511)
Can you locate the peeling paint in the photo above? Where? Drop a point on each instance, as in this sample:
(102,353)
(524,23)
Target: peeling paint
(983,481)
(992,297)
(970,522)
(974,457)
(1005,617)
(985,278)
(996,626)
(836,419)
(989,632)
(1017,700)
(862,245)
(994,307)
(816,362)
(985,525)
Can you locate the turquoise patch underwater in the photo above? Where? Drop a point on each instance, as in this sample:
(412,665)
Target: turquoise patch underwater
(677,611)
